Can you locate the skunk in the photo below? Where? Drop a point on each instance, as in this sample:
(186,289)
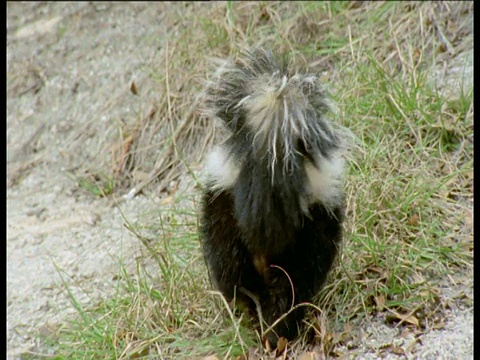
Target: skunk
(273,204)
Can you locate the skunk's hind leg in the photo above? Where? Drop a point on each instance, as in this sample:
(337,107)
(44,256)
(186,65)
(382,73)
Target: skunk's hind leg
(229,262)
(307,262)
(275,301)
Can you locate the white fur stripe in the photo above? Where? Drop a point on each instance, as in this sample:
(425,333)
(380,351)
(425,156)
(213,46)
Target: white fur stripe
(221,169)
(325,181)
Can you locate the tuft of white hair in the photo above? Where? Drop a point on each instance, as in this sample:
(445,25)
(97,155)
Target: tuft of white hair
(221,169)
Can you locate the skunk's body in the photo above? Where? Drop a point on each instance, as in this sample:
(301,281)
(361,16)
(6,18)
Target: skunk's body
(273,206)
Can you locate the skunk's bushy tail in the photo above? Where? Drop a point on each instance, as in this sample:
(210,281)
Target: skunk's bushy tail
(285,112)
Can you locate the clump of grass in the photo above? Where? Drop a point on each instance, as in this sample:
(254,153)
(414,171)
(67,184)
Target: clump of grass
(97,185)
(162,310)
(409,188)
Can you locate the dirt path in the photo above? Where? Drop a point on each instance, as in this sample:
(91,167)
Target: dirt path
(69,71)
(70,66)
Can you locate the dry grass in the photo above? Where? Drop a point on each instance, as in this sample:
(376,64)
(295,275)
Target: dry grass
(410,187)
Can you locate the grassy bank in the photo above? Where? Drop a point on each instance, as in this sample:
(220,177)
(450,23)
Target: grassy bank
(409,229)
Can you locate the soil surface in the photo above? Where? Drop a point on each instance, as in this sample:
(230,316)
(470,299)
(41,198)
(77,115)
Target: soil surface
(69,70)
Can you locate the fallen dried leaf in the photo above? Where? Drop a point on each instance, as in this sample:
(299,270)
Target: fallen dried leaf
(167,200)
(210,357)
(394,316)
(380,302)
(281,345)
(309,355)
(133,88)
(397,350)
(413,221)
(439,325)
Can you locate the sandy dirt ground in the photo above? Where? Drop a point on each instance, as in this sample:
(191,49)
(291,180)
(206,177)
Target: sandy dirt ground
(69,68)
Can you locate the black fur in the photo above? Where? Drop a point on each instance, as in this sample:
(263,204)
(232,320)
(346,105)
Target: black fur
(307,258)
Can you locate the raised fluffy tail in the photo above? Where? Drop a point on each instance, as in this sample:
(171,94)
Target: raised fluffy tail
(285,113)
